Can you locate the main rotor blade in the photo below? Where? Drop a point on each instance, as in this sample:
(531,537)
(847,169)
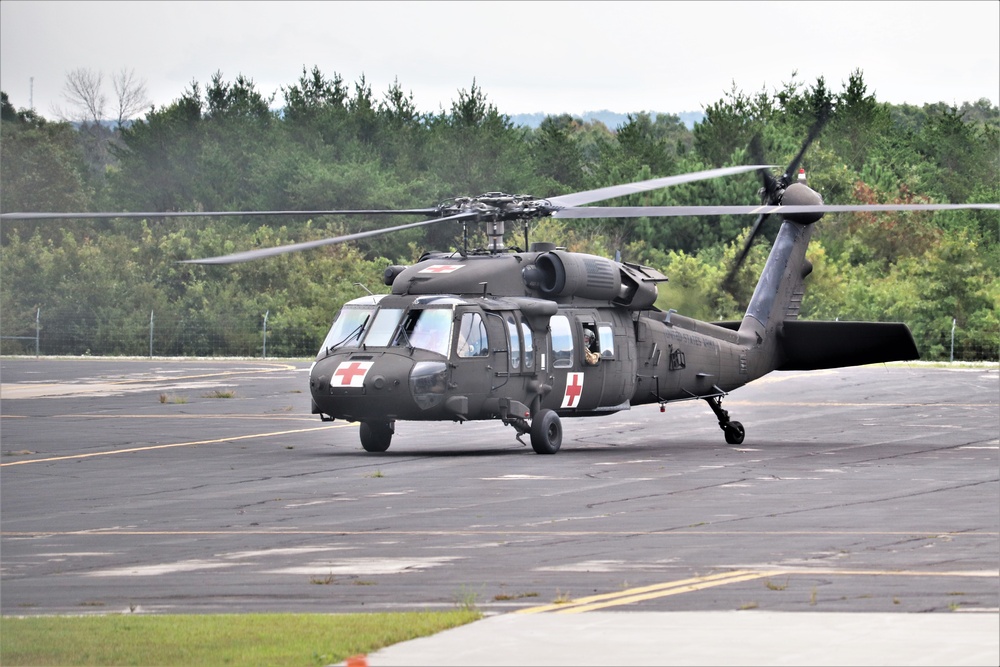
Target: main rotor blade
(600,194)
(260,253)
(685,211)
(206,214)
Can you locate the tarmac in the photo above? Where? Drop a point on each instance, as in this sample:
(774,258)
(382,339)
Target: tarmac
(705,638)
(858,525)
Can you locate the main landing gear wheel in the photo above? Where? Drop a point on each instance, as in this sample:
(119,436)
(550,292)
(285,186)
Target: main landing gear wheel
(376,436)
(734,433)
(546,432)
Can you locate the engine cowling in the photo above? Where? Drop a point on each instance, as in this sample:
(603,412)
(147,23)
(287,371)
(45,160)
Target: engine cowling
(562,274)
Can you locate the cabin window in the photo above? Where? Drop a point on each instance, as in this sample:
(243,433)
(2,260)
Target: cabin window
(515,342)
(562,341)
(472,340)
(606,341)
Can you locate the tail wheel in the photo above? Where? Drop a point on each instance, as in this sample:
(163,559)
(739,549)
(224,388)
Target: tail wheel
(376,436)
(546,432)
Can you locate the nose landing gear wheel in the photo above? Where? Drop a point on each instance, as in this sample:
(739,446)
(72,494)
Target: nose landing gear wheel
(546,432)
(734,433)
(376,436)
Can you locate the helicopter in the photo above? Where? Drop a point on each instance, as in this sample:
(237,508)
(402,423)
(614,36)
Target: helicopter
(533,336)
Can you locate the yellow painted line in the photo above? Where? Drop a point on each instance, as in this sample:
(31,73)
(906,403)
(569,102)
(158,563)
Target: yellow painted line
(674,590)
(170,446)
(892,573)
(655,590)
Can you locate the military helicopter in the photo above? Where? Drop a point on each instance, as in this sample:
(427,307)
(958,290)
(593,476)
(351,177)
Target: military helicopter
(532,336)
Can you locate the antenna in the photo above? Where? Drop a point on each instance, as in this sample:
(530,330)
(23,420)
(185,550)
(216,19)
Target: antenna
(31,93)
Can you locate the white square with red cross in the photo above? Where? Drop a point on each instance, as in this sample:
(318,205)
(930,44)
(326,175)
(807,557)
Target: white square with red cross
(351,374)
(574,389)
(442,268)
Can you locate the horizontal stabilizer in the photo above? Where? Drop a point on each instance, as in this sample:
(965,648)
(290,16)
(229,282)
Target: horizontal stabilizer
(810,345)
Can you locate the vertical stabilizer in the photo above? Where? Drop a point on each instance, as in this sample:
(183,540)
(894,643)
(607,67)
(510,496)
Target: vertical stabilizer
(777,296)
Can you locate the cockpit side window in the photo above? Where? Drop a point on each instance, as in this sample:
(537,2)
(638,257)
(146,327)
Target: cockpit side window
(472,340)
(427,329)
(515,342)
(529,347)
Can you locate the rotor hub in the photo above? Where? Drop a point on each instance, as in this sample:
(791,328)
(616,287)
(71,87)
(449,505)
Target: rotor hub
(498,206)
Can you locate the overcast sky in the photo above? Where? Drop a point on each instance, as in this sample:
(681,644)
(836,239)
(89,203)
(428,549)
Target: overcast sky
(550,57)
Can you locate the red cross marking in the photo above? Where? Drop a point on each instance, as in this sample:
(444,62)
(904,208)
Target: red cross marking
(442,268)
(351,374)
(574,388)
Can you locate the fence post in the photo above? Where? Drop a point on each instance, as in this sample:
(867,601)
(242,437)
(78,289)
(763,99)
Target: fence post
(38,328)
(151,334)
(953,320)
(264,355)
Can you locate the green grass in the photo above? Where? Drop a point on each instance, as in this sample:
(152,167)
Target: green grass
(220,393)
(217,639)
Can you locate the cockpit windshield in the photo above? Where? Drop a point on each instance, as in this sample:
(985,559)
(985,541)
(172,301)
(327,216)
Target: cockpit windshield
(350,325)
(365,322)
(384,326)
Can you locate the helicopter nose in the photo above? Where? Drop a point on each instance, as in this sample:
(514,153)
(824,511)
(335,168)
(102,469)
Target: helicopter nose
(356,387)
(380,386)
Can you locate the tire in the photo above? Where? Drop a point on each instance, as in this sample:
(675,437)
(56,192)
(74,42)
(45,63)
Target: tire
(375,436)
(735,433)
(546,432)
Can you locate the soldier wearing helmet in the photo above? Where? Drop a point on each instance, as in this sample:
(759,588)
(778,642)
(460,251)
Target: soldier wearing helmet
(590,350)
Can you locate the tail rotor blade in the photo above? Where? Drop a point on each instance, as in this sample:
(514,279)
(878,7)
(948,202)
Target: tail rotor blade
(814,131)
(770,183)
(741,257)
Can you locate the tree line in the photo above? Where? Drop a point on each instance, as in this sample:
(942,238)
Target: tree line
(328,144)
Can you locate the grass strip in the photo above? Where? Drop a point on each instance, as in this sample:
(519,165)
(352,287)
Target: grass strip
(213,639)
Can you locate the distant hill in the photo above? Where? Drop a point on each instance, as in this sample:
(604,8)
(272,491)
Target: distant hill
(610,119)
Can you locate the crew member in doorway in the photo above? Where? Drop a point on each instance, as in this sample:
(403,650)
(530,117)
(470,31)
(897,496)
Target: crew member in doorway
(591,354)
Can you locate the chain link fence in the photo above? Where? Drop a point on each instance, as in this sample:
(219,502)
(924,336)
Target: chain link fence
(250,336)
(254,336)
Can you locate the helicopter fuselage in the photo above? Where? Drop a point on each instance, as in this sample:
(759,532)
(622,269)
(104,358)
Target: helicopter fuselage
(428,351)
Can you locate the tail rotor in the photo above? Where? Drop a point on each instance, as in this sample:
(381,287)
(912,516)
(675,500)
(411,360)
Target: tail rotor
(772,191)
